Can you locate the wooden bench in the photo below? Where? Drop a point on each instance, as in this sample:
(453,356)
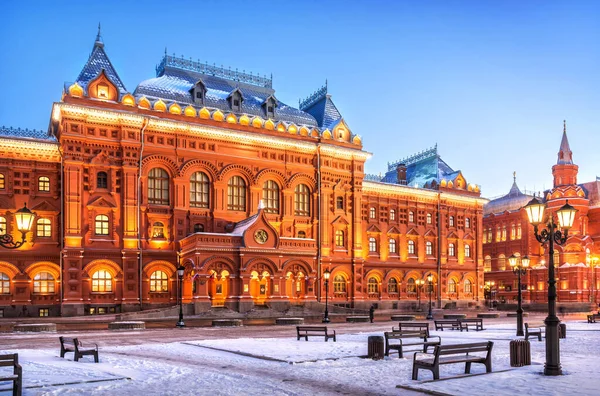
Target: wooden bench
(453,324)
(417,326)
(592,318)
(476,322)
(449,354)
(408,338)
(307,331)
(75,346)
(12,360)
(532,330)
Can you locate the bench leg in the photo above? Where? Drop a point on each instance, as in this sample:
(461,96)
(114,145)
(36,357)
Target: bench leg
(326,338)
(415,374)
(468,368)
(540,337)
(18,386)
(436,372)
(96,357)
(306,338)
(400,354)
(76,357)
(62,351)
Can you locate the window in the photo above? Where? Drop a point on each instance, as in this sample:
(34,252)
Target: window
(199,186)
(271,197)
(44,312)
(411,247)
(468,287)
(159,282)
(504,233)
(236,194)
(451,221)
(158,187)
(44,184)
(498,234)
(372,245)
(513,232)
(429,218)
(372,213)
(373,286)
(392,245)
(2,183)
(519,231)
(393,285)
(198,227)
(411,217)
(451,286)
(44,228)
(4,283)
(101,282)
(302,200)
(3,229)
(43,283)
(158,230)
(410,286)
(339,284)
(501,262)
(428,248)
(301,234)
(392,215)
(102,180)
(467,222)
(102,225)
(339,238)
(102,91)
(467,251)
(487,264)
(339,203)
(451,251)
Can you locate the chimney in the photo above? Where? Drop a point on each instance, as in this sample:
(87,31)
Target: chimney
(401,172)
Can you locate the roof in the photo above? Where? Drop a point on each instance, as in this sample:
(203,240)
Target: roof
(320,106)
(592,190)
(565,155)
(25,133)
(242,226)
(175,77)
(97,62)
(514,200)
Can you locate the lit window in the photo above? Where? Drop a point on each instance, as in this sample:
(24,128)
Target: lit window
(158,187)
(519,231)
(513,232)
(468,287)
(158,230)
(392,215)
(467,222)
(429,218)
(4,283)
(504,233)
(44,228)
(373,286)
(198,227)
(3,228)
(451,286)
(44,184)
(102,180)
(392,244)
(467,251)
(199,186)
(339,238)
(428,248)
(339,203)
(301,234)
(236,194)
(102,91)
(271,197)
(302,200)
(43,283)
(451,251)
(487,264)
(339,284)
(159,282)
(392,285)
(372,244)
(411,217)
(411,288)
(2,185)
(101,282)
(451,221)
(501,262)
(411,247)
(102,225)
(372,213)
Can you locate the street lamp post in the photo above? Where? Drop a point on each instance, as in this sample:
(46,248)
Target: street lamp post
(24,218)
(326,275)
(180,271)
(430,283)
(420,283)
(519,269)
(552,234)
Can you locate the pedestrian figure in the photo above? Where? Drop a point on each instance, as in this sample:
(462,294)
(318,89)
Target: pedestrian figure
(372,313)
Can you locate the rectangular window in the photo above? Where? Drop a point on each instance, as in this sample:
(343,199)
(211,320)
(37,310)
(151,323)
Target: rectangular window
(44,312)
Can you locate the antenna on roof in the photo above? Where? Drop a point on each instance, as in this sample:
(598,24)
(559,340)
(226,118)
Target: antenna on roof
(165,50)
(98,42)
(325,85)
(98,35)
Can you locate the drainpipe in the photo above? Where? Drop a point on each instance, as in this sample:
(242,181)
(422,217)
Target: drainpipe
(319,258)
(439,252)
(139,216)
(62,230)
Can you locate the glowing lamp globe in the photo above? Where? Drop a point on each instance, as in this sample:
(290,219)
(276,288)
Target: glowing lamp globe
(566,216)
(535,211)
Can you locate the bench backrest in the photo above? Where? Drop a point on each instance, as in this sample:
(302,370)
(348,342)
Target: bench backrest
(527,325)
(446,320)
(9,359)
(74,341)
(414,325)
(396,335)
(457,349)
(311,328)
(472,320)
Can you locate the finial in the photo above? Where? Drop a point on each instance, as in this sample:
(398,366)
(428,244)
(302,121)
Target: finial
(165,51)
(261,205)
(325,84)
(515,176)
(564,126)
(98,35)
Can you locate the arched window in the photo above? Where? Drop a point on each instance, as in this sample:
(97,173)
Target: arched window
(451,221)
(519,231)
(339,284)
(513,232)
(498,234)
(44,228)
(373,286)
(43,283)
(339,203)
(556,258)
(451,286)
(410,286)
(159,282)
(158,187)
(392,285)
(199,186)
(372,244)
(302,200)
(467,222)
(102,180)
(101,225)
(372,213)
(236,194)
(301,234)
(3,229)
(44,184)
(4,283)
(501,262)
(271,197)
(411,217)
(339,238)
(2,182)
(428,248)
(451,251)
(198,227)
(504,233)
(467,251)
(158,230)
(101,282)
(392,214)
(429,218)
(392,245)
(468,287)
(411,247)
(487,264)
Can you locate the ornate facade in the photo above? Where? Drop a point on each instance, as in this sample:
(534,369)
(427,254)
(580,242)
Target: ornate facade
(205,167)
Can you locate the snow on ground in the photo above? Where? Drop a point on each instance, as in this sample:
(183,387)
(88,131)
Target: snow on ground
(285,366)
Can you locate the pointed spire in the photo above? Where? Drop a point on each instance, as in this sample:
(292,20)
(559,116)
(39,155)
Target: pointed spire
(514,190)
(99,42)
(565,155)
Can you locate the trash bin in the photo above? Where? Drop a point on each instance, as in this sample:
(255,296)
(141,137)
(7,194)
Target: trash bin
(376,349)
(562,330)
(520,353)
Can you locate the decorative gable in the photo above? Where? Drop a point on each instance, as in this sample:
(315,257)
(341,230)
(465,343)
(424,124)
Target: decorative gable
(341,131)
(373,229)
(394,231)
(452,235)
(105,202)
(257,232)
(269,106)
(44,206)
(102,88)
(198,92)
(341,221)
(235,100)
(412,232)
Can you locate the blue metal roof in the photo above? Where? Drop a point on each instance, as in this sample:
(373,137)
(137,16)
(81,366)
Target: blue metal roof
(421,169)
(97,62)
(25,133)
(320,106)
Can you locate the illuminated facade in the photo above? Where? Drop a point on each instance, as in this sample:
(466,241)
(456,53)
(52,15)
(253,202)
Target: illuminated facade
(254,197)
(506,231)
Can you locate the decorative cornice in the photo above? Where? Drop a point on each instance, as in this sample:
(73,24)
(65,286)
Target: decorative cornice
(373,187)
(29,149)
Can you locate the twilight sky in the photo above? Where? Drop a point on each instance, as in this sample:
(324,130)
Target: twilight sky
(489,82)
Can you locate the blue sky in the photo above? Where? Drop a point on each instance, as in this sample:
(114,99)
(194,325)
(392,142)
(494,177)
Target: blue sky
(489,82)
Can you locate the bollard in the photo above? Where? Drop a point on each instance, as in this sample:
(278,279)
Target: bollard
(376,347)
(520,353)
(562,330)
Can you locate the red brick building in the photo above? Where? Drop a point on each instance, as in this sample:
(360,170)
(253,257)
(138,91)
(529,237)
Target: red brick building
(205,166)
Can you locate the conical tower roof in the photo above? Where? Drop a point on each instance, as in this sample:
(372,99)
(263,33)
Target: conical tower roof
(565,155)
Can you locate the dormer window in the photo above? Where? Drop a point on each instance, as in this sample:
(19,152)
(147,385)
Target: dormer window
(102,91)
(235,100)
(199,93)
(269,106)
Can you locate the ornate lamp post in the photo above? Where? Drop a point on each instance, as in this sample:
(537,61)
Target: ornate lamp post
(430,283)
(552,234)
(180,271)
(24,218)
(419,283)
(519,269)
(326,275)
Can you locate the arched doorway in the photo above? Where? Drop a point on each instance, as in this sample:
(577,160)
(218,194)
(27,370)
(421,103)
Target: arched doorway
(295,286)
(259,286)
(218,287)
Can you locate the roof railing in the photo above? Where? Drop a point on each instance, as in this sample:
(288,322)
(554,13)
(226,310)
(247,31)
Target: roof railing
(413,158)
(314,98)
